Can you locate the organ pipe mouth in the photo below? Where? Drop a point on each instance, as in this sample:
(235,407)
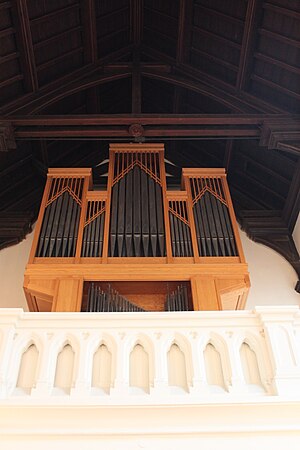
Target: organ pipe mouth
(136,296)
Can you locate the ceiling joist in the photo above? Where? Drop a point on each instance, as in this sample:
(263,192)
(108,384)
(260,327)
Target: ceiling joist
(129,126)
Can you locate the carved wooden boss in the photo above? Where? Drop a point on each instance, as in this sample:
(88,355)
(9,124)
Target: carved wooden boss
(136,246)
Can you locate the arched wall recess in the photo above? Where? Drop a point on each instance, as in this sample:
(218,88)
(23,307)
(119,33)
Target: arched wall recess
(177,368)
(214,368)
(139,370)
(185,347)
(101,374)
(93,347)
(64,372)
(250,368)
(28,369)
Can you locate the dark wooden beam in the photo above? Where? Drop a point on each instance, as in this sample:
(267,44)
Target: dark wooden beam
(54,40)
(223,40)
(282,11)
(122,132)
(222,16)
(93,77)
(53,15)
(24,42)
(149,119)
(40,160)
(136,84)
(11,80)
(36,101)
(184,36)
(277,63)
(92,104)
(279,134)
(177,100)
(250,102)
(275,86)
(136,30)
(247,102)
(230,101)
(279,37)
(54,61)
(253,17)
(7,32)
(9,57)
(88,19)
(215,59)
(156,66)
(228,155)
(136,21)
(179,126)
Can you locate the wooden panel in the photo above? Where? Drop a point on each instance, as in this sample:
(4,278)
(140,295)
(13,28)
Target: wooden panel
(204,294)
(205,272)
(68,295)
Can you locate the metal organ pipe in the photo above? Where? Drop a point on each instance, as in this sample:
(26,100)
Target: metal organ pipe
(137,221)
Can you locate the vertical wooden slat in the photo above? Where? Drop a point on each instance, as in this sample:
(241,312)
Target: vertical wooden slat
(40,220)
(165,206)
(108,204)
(191,219)
(82,219)
(233,219)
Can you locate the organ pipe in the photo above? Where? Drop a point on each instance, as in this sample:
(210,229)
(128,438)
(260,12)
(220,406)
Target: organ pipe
(100,234)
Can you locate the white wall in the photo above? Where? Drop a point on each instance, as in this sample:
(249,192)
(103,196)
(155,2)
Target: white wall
(272,278)
(12,266)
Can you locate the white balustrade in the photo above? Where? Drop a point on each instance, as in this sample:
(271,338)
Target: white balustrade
(149,358)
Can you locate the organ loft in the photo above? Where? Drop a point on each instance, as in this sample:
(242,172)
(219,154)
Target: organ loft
(136,246)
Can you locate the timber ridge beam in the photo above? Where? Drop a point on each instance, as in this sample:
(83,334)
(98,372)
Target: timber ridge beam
(162,126)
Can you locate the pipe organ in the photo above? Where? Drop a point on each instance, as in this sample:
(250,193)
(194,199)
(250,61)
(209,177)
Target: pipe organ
(136,246)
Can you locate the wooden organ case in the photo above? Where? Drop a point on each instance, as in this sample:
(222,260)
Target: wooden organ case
(136,246)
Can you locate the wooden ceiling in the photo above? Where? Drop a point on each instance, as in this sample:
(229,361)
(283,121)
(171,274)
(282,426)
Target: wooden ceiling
(217,81)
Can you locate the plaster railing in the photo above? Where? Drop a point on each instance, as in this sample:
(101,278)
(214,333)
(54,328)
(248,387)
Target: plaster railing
(149,358)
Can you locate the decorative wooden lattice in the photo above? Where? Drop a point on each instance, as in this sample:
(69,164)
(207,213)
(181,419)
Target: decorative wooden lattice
(214,231)
(180,228)
(136,217)
(93,233)
(59,232)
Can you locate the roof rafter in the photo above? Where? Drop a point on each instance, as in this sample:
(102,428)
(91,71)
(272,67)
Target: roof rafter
(184,30)
(33,102)
(249,102)
(88,18)
(231,101)
(253,16)
(136,17)
(24,41)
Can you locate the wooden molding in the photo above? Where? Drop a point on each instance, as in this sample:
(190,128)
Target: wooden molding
(281,134)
